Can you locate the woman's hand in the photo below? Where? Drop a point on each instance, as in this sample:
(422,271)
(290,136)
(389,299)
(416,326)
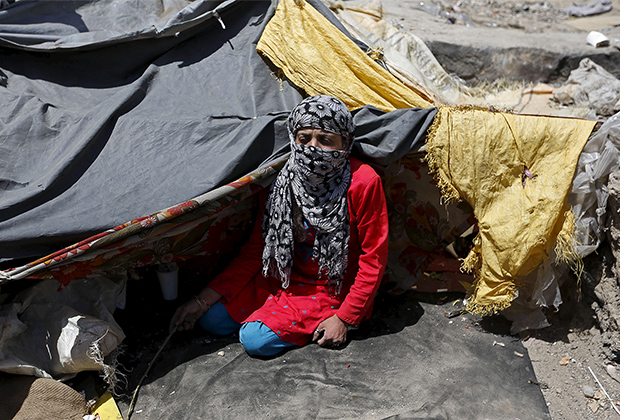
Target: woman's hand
(187,314)
(331,332)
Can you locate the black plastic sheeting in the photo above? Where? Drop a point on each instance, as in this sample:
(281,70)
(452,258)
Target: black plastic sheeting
(409,361)
(112,110)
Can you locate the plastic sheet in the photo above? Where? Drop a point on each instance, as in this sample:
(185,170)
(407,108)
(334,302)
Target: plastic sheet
(600,157)
(593,86)
(526,311)
(405,55)
(56,334)
(408,362)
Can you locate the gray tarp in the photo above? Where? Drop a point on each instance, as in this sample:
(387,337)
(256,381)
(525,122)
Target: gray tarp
(112,110)
(408,362)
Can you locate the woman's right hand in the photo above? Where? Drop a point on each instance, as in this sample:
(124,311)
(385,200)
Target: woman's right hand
(186,316)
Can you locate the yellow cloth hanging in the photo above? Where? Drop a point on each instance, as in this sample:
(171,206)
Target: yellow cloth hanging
(516,172)
(317,57)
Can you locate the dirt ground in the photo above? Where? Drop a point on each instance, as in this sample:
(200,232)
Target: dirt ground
(574,362)
(486,21)
(525,15)
(571,355)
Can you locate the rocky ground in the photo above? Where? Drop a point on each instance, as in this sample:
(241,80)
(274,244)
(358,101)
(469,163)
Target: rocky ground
(520,40)
(529,42)
(572,358)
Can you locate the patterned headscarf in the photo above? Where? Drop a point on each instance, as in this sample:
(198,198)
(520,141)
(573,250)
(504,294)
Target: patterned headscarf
(313,184)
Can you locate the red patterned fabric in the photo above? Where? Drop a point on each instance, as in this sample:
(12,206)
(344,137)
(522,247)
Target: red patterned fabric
(208,226)
(213,224)
(421,228)
(295,312)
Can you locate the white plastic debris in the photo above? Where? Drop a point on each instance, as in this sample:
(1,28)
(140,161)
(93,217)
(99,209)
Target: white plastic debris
(597,39)
(592,86)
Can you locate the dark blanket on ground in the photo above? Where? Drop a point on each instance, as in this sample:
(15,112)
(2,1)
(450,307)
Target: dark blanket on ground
(408,362)
(113,110)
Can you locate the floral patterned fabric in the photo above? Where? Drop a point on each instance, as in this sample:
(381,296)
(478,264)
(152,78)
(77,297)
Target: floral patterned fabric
(209,225)
(213,224)
(421,227)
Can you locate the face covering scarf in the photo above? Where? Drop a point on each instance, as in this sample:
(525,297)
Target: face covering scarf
(313,182)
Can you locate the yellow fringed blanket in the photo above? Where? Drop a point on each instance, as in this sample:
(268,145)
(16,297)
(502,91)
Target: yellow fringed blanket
(516,172)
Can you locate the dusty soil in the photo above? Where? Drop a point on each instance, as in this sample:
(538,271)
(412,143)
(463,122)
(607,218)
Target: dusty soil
(528,16)
(575,359)
(501,22)
(482,40)
(569,356)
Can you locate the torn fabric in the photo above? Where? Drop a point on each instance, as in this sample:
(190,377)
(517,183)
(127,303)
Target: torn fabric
(320,59)
(516,172)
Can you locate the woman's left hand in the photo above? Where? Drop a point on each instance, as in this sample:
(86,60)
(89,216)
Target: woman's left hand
(331,332)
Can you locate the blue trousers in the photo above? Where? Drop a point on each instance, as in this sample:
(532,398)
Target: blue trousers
(257,339)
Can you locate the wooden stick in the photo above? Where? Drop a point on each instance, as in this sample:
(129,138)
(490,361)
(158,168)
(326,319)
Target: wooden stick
(148,369)
(599,384)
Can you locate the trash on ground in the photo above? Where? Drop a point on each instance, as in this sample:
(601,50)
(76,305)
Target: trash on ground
(593,86)
(597,39)
(106,408)
(595,7)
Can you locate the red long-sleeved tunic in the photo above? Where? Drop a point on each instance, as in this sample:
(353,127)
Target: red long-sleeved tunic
(295,312)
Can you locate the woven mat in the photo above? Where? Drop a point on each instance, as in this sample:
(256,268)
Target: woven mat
(27,397)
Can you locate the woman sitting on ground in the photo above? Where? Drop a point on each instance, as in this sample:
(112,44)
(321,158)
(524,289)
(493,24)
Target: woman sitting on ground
(314,261)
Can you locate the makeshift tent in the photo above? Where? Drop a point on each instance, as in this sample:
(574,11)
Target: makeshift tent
(128,137)
(107,123)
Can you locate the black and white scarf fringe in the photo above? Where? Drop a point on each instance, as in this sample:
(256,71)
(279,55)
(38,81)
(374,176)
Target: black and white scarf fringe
(318,181)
